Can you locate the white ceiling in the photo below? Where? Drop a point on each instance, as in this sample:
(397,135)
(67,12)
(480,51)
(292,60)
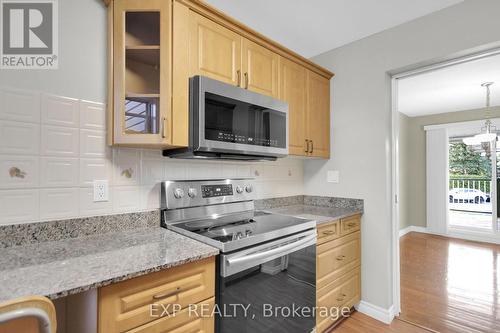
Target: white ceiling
(450,89)
(316,26)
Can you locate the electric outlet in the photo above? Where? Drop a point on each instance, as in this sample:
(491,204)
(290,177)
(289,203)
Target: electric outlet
(101,190)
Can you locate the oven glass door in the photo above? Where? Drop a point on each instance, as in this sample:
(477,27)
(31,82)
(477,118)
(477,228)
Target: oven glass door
(263,298)
(230,120)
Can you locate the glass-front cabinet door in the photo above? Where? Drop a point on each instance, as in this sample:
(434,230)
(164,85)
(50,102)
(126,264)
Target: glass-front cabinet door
(141,46)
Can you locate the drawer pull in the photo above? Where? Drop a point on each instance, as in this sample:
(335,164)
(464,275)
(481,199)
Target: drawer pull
(168,294)
(352,224)
(328,232)
(341,298)
(341,257)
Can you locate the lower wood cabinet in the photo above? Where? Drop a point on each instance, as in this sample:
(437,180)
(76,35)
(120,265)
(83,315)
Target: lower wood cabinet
(159,302)
(338,269)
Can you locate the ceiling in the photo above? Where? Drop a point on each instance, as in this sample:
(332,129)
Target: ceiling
(316,26)
(454,88)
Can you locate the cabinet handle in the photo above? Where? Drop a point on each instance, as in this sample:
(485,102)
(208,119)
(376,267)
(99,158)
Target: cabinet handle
(341,257)
(306,149)
(352,224)
(164,128)
(312,146)
(341,297)
(168,294)
(328,232)
(246,80)
(238,74)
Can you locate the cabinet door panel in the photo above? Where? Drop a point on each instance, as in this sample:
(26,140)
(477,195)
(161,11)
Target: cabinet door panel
(293,91)
(260,69)
(318,114)
(142,71)
(214,50)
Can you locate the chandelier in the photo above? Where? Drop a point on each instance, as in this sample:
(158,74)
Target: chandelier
(488,131)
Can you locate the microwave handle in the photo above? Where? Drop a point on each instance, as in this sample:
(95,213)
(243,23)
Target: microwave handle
(281,250)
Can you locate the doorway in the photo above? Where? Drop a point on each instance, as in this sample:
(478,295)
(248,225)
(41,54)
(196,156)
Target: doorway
(436,274)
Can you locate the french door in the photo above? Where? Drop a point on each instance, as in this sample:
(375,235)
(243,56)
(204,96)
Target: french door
(473,181)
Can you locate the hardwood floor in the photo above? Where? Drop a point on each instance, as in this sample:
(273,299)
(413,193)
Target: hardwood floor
(450,285)
(360,323)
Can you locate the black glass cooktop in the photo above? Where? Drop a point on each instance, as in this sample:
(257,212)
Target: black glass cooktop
(241,229)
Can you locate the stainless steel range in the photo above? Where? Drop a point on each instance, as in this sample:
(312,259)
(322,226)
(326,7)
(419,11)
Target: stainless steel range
(267,261)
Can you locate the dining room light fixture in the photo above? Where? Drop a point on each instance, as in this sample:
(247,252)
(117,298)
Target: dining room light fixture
(488,131)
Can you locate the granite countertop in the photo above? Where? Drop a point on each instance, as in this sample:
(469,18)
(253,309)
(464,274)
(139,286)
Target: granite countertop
(64,267)
(318,213)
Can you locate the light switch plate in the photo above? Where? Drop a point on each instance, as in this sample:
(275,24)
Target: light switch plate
(101,190)
(333,176)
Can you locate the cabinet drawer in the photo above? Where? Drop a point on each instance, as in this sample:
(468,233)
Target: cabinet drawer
(126,305)
(328,231)
(344,292)
(337,257)
(350,224)
(198,319)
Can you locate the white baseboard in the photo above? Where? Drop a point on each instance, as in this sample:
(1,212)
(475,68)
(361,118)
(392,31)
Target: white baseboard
(384,315)
(412,228)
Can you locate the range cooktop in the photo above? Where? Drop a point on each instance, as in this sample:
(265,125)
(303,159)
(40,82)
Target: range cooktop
(230,233)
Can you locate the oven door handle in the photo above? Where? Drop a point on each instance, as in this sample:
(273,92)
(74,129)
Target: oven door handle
(283,250)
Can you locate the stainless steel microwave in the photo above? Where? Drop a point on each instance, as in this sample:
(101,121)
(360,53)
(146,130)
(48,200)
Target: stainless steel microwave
(229,122)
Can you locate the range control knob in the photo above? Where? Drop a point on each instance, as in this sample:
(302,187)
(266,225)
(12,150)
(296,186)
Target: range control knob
(192,192)
(178,193)
(249,188)
(239,189)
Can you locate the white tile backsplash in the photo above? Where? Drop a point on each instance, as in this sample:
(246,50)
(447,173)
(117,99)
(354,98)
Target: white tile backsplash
(126,166)
(59,172)
(19,171)
(127,199)
(58,203)
(19,138)
(61,158)
(93,143)
(59,141)
(90,208)
(19,105)
(150,196)
(92,115)
(60,111)
(19,206)
(95,169)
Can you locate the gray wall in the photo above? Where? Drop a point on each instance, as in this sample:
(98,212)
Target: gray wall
(361,120)
(82,55)
(412,161)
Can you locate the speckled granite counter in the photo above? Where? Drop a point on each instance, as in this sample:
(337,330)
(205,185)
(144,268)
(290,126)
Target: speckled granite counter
(64,267)
(318,213)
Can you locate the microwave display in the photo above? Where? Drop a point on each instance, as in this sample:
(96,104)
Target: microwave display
(230,120)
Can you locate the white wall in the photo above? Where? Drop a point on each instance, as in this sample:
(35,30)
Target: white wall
(361,119)
(52,127)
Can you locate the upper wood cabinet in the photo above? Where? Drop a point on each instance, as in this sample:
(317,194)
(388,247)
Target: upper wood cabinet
(318,115)
(293,91)
(155,46)
(260,69)
(214,51)
(224,55)
(140,66)
(308,98)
